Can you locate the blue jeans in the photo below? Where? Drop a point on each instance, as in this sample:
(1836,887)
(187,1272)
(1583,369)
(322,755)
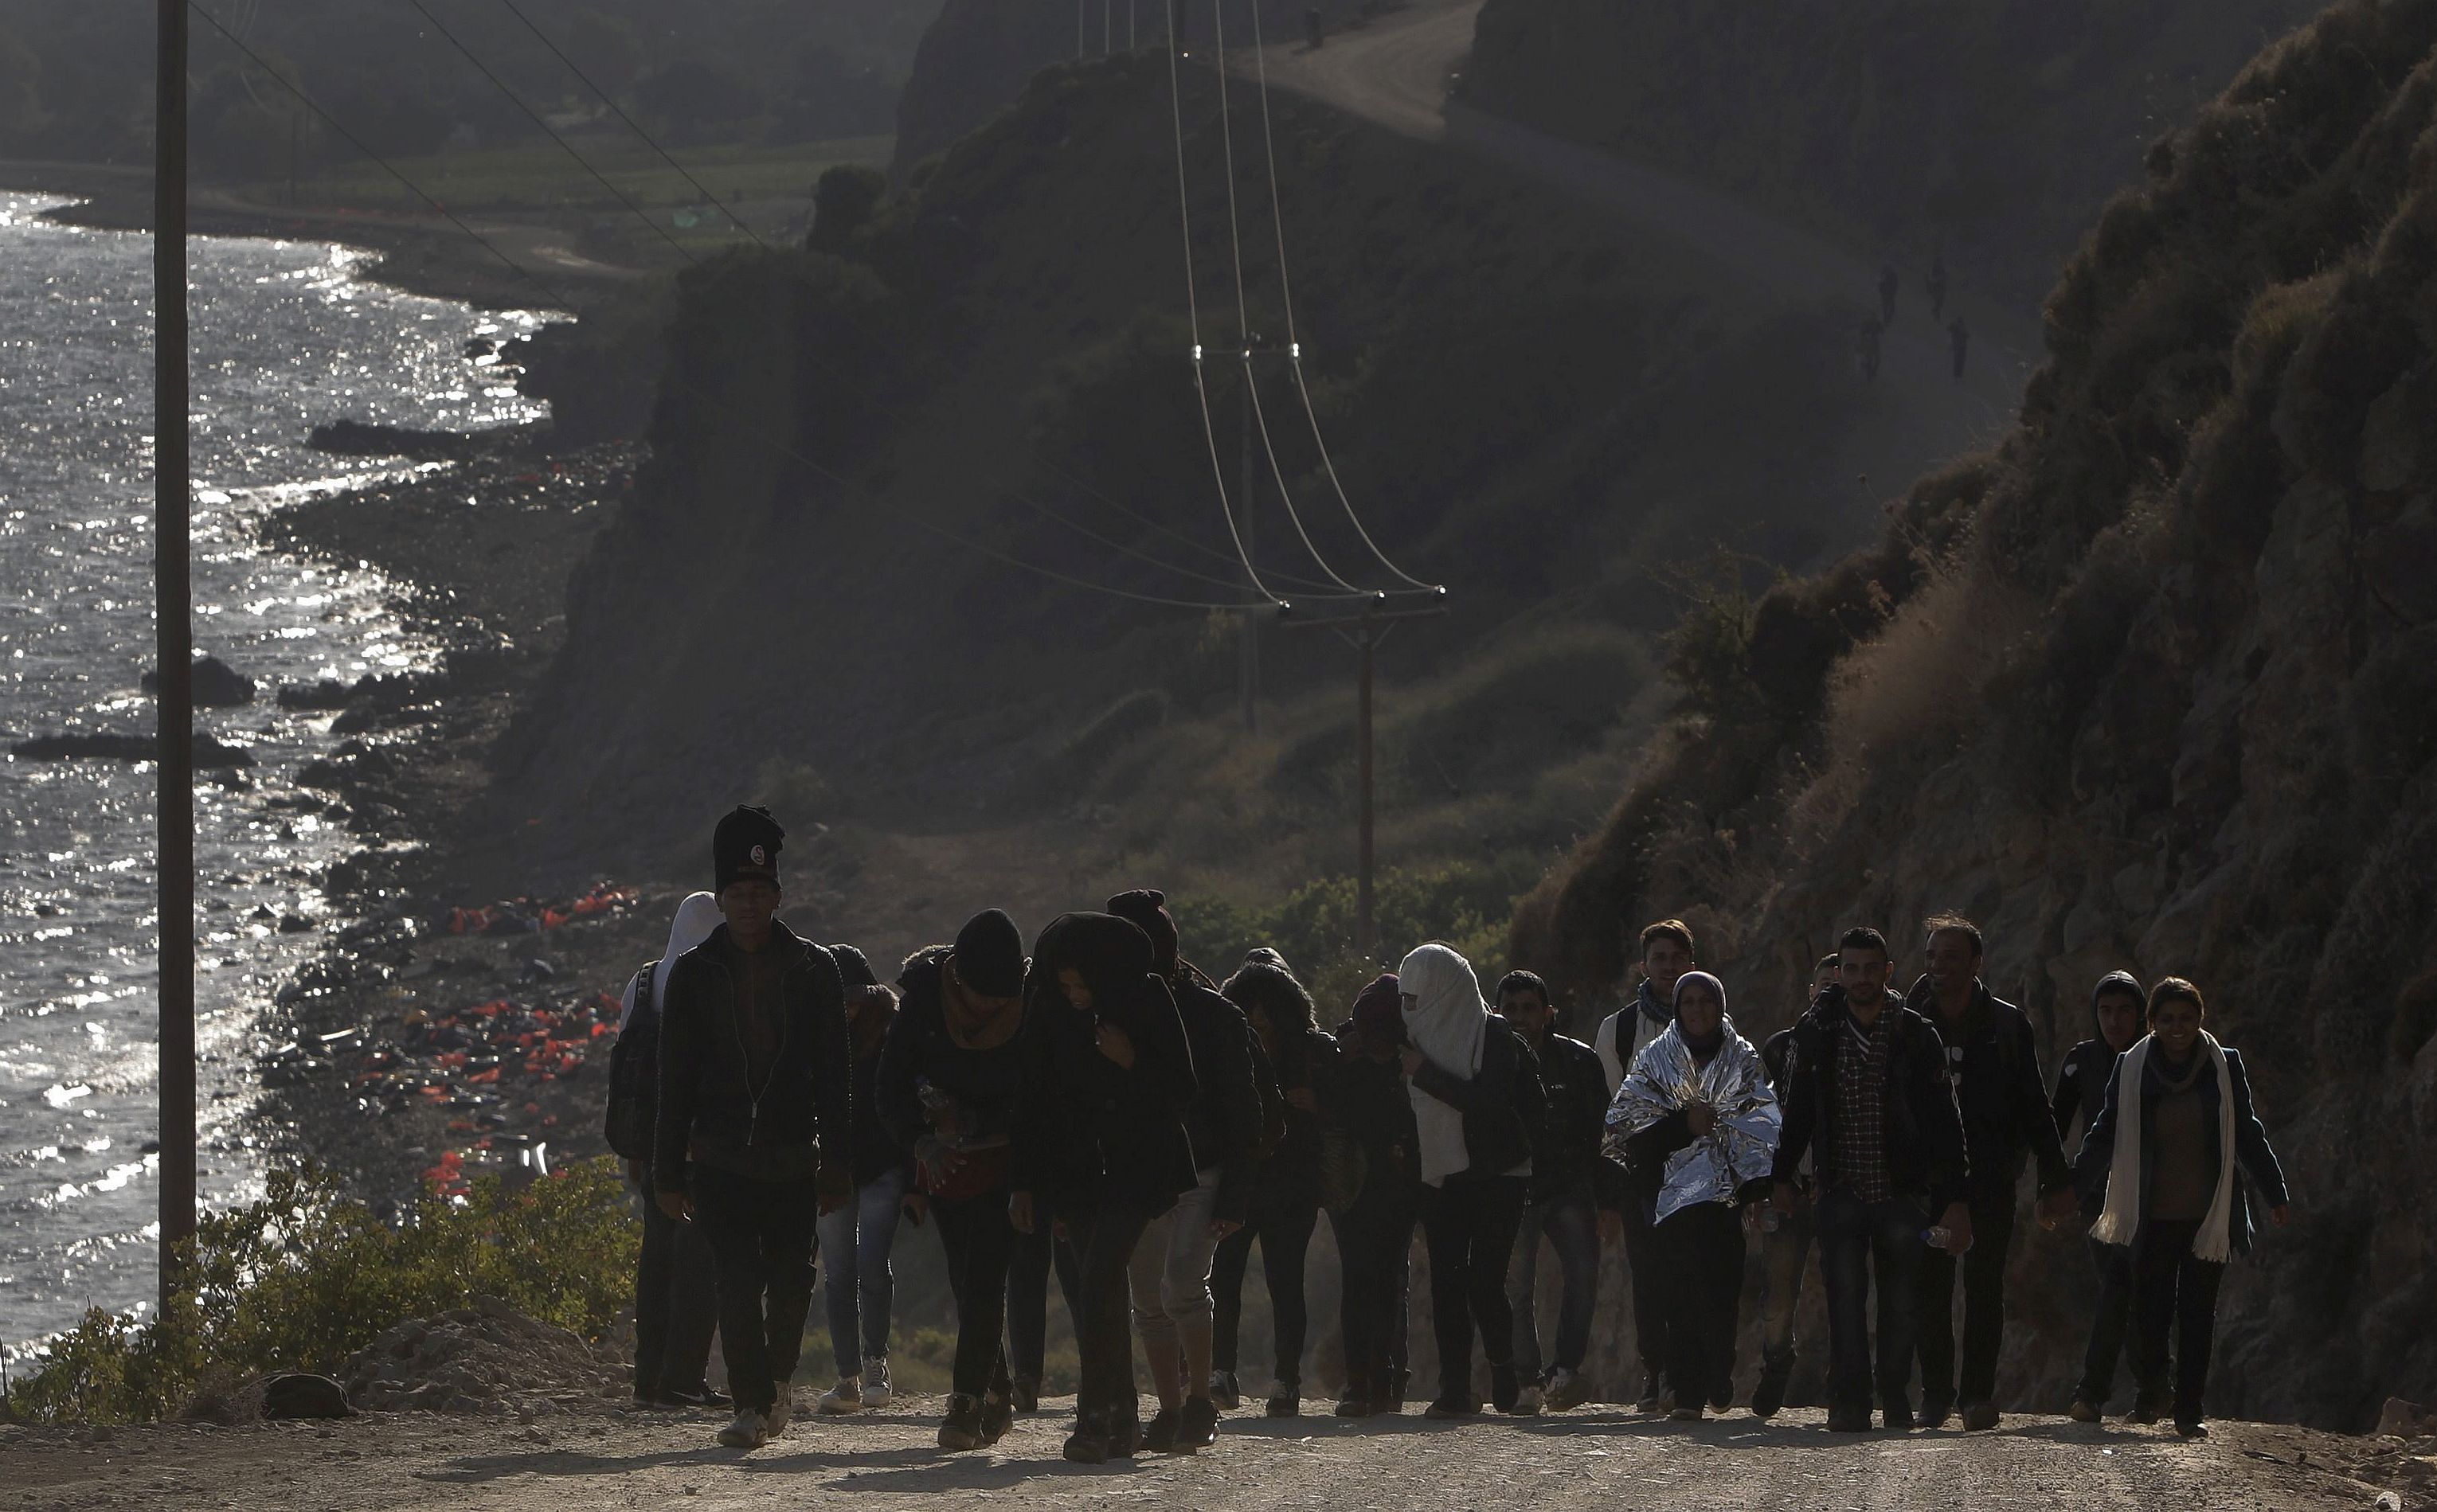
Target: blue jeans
(856,1241)
(1860,1243)
(1571,1229)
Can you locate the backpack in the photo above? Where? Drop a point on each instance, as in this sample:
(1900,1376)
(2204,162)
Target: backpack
(635,1075)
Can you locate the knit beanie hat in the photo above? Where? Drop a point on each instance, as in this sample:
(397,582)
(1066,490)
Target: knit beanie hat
(989,955)
(1146,908)
(745,846)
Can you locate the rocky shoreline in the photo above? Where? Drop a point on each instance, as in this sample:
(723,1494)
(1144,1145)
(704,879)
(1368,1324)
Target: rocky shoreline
(443,1033)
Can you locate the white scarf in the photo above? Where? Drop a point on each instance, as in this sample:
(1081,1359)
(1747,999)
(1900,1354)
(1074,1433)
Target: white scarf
(1449,1024)
(2120,1223)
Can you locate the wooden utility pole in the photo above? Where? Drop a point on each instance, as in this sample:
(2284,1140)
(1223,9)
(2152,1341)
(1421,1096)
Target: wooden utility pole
(1248,670)
(1366,921)
(173,607)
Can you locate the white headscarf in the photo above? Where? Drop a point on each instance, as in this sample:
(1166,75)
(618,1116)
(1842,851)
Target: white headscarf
(698,916)
(1449,1023)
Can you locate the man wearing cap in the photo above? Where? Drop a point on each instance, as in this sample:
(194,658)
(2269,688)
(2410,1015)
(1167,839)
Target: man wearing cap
(1236,1099)
(756,1077)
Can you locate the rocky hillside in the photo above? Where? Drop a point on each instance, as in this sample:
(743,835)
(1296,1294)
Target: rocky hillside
(1990,131)
(979,54)
(2152,684)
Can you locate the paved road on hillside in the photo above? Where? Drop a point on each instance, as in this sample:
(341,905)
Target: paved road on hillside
(1397,72)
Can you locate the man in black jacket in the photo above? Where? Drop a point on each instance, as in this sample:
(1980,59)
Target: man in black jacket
(1994,1063)
(1785,1238)
(1572,1184)
(755,1090)
(1236,1108)
(1869,1100)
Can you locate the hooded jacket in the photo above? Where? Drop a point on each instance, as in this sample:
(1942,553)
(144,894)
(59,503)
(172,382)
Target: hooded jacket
(2081,1084)
(1925,1148)
(1994,1058)
(1090,1133)
(801,1117)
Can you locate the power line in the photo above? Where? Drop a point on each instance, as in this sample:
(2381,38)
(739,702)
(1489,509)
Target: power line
(536,117)
(556,298)
(1286,296)
(1077,484)
(615,110)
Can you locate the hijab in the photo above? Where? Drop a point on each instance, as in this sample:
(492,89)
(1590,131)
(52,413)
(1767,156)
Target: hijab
(697,917)
(1701,1049)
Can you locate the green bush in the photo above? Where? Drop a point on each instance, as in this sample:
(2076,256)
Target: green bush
(303,1278)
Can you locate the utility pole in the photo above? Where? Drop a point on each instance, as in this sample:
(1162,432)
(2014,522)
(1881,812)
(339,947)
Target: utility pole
(1249,651)
(1366,921)
(173,607)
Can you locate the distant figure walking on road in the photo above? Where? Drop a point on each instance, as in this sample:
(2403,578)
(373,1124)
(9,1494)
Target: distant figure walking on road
(1958,336)
(1937,288)
(1886,293)
(1312,26)
(1866,348)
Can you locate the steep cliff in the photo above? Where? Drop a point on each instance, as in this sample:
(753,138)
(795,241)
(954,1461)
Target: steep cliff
(1990,131)
(2154,685)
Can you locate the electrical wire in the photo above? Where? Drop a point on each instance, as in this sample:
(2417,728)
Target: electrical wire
(631,125)
(536,117)
(1286,297)
(561,301)
(1192,313)
(1078,486)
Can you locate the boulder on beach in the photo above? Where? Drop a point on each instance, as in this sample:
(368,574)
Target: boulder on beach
(218,685)
(210,753)
(354,438)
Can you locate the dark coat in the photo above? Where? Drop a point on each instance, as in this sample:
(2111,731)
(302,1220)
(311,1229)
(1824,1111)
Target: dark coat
(1507,1091)
(986,1085)
(803,1117)
(1569,1164)
(1227,1118)
(1288,1173)
(2254,1158)
(2080,1092)
(1926,1153)
(1993,1057)
(1089,1133)
(1366,1100)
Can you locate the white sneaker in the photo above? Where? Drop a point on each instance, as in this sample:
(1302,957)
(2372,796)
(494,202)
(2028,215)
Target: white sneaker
(748,1431)
(876,1391)
(1526,1402)
(774,1423)
(845,1397)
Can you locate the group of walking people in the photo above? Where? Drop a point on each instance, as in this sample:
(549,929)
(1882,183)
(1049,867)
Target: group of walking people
(1095,1109)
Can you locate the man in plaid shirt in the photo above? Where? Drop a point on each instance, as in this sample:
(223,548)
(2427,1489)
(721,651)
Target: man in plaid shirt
(1868,1096)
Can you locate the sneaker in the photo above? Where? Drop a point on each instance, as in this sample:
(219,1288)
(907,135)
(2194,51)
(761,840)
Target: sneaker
(1722,1398)
(774,1423)
(1505,1387)
(1027,1394)
(998,1415)
(695,1401)
(1769,1395)
(1655,1397)
(1528,1403)
(845,1397)
(1901,1421)
(1849,1420)
(2191,1428)
(877,1393)
(2146,1410)
(1087,1445)
(1160,1438)
(1223,1390)
(1686,1415)
(1197,1427)
(1286,1399)
(2083,1410)
(1980,1417)
(962,1428)
(747,1431)
(1567,1390)
(1453,1406)
(1934,1415)
(1354,1405)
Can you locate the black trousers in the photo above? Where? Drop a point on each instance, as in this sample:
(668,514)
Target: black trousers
(1646,1271)
(2173,1290)
(1027,1296)
(1285,1232)
(1106,1399)
(2110,1322)
(979,1241)
(1375,1242)
(1470,1228)
(1701,1250)
(1983,1273)
(676,1303)
(762,1239)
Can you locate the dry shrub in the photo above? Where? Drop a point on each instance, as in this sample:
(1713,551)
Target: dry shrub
(1921,679)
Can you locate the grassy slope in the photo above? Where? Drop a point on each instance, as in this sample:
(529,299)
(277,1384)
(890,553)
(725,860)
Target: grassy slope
(2149,686)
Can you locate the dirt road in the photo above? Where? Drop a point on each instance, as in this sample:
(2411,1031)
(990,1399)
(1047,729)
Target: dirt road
(1586,1459)
(1397,73)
